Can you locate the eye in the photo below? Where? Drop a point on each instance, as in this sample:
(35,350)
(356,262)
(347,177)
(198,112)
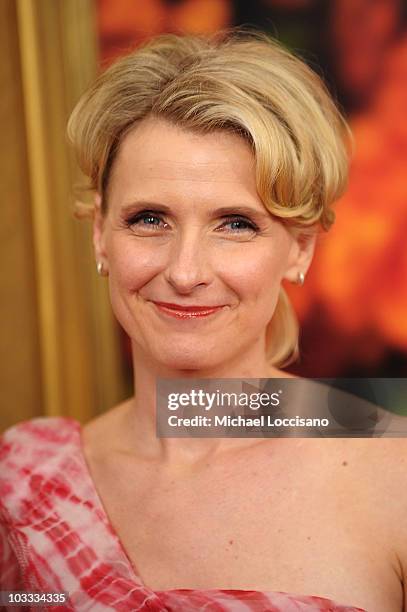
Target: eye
(239,225)
(146,221)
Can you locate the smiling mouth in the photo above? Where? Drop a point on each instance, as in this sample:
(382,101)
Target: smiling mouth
(186,312)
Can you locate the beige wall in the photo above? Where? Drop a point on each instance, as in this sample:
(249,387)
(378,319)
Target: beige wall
(59,349)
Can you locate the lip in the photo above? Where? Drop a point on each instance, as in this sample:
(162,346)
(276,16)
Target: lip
(186,312)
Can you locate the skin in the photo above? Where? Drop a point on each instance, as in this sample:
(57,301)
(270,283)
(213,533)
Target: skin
(192,254)
(312,509)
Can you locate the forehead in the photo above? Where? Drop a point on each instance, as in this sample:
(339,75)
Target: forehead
(157,155)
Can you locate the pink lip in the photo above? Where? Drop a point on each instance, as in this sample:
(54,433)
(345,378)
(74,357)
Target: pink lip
(186,312)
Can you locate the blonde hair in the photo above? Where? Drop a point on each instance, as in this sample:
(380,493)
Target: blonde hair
(238,81)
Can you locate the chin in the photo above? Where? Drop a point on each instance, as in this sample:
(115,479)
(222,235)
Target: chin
(186,358)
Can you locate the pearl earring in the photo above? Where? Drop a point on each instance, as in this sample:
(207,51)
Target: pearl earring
(100,268)
(300,278)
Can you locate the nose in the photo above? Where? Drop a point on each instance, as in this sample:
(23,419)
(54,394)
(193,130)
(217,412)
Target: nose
(188,265)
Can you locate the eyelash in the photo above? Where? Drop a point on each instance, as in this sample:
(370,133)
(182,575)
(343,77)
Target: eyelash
(134,219)
(140,216)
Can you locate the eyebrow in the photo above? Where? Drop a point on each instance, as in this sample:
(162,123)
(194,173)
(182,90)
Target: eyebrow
(239,209)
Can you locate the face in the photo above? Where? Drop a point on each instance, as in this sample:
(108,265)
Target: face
(195,260)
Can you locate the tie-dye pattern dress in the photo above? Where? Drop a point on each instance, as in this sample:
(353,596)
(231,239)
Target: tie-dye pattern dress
(55,536)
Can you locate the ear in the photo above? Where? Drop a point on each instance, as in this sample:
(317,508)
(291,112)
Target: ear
(98,232)
(301,253)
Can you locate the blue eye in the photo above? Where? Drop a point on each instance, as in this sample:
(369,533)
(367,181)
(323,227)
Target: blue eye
(150,219)
(145,218)
(240,224)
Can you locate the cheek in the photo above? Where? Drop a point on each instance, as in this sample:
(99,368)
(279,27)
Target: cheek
(256,273)
(133,264)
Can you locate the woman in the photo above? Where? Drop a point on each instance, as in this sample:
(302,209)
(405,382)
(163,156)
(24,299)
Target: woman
(214,162)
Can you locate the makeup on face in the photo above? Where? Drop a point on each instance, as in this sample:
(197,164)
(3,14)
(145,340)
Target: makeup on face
(195,259)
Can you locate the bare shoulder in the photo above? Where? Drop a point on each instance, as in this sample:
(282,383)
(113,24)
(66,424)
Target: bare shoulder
(387,471)
(393,481)
(104,431)
(384,461)
(388,459)
(396,474)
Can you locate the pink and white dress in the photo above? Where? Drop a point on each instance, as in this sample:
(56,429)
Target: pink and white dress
(55,536)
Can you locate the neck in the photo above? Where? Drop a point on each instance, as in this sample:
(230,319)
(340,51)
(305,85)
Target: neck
(183,452)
